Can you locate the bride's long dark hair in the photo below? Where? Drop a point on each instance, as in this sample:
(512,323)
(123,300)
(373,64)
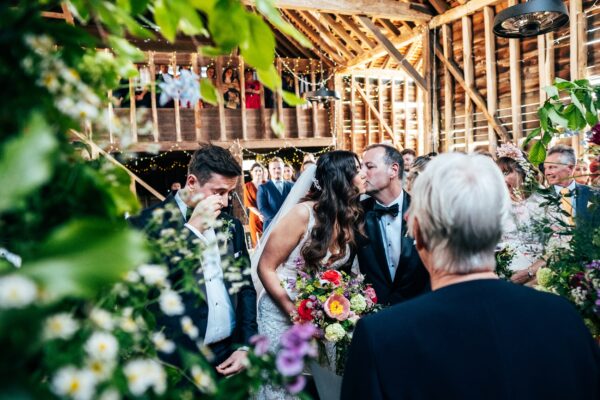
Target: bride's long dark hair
(337,208)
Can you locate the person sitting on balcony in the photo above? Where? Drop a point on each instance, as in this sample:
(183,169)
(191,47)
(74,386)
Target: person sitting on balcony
(231,88)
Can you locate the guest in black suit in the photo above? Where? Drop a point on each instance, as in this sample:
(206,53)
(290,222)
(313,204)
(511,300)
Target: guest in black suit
(474,336)
(213,173)
(559,168)
(272,194)
(388,258)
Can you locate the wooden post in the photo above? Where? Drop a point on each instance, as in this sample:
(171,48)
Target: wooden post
(298,108)
(430,125)
(367,109)
(132,112)
(578,57)
(279,98)
(515,84)
(197,115)
(448,89)
(421,123)
(380,107)
(490,73)
(339,115)
(467,30)
(541,39)
(152,69)
(218,74)
(352,118)
(242,81)
(314,106)
(393,109)
(176,102)
(406,142)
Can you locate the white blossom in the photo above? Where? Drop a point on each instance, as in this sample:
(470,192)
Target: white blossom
(188,327)
(154,274)
(102,319)
(101,369)
(74,383)
(579,295)
(170,303)
(60,326)
(102,346)
(110,394)
(162,343)
(16,291)
(143,374)
(203,380)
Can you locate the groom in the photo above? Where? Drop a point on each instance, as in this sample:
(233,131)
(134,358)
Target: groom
(224,319)
(388,259)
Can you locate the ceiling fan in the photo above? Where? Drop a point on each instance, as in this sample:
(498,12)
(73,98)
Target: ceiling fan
(533,18)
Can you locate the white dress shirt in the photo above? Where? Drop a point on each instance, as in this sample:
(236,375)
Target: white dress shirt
(221,316)
(391,231)
(572,198)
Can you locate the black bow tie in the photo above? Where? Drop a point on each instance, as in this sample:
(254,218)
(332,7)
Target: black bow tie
(380,210)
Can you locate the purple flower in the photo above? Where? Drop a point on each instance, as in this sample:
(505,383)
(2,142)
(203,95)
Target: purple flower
(289,363)
(296,385)
(577,279)
(261,344)
(595,264)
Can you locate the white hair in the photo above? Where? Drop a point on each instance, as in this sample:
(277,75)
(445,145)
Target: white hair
(460,202)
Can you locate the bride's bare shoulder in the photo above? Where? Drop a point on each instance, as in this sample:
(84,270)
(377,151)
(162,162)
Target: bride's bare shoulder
(301,211)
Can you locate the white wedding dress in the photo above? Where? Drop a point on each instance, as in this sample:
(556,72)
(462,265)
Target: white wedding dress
(272,322)
(520,232)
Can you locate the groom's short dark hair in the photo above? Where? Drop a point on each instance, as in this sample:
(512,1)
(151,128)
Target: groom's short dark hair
(392,156)
(210,159)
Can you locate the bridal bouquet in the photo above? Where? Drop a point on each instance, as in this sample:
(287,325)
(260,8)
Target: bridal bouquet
(333,301)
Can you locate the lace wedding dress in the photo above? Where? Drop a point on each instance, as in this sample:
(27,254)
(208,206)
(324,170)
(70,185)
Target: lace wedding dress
(520,233)
(272,322)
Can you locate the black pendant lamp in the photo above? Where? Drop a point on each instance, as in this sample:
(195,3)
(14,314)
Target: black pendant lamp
(533,18)
(321,95)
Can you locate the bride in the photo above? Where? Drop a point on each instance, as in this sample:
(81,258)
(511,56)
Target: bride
(314,229)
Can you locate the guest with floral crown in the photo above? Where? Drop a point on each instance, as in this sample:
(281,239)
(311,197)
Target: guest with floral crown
(520,237)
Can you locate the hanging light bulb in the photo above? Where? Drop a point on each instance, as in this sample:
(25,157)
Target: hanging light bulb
(322,94)
(533,18)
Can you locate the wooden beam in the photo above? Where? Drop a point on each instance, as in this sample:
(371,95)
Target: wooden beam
(380,108)
(380,51)
(473,93)
(67,13)
(154,110)
(440,6)
(448,89)
(339,115)
(406,99)
(339,29)
(386,62)
(404,64)
(253,144)
(374,110)
(298,108)
(514,54)
(324,31)
(242,81)
(352,114)
(457,13)
(350,23)
(490,73)
(390,27)
(432,116)
(467,36)
(373,8)
(132,112)
(316,39)
(578,56)
(368,110)
(541,39)
(393,107)
(279,99)
(218,74)
(314,107)
(176,101)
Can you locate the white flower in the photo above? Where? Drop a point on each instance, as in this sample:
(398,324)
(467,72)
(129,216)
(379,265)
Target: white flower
(170,303)
(203,380)
(153,274)
(579,295)
(189,328)
(162,344)
(334,332)
(102,346)
(16,291)
(126,322)
(101,369)
(132,276)
(110,394)
(102,319)
(74,383)
(60,326)
(143,374)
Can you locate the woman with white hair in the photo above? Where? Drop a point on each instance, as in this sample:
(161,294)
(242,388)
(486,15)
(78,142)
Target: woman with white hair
(473,336)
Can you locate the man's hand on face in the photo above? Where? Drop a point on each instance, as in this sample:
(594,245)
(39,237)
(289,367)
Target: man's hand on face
(206,211)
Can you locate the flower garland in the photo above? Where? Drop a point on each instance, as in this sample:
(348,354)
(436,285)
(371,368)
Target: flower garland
(511,151)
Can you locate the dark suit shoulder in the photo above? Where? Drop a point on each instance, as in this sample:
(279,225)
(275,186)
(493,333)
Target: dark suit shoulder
(368,203)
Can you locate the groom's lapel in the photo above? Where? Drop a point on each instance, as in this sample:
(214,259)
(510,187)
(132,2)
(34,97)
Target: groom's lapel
(376,239)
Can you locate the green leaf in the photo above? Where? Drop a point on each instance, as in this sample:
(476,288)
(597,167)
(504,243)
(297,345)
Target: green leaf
(562,84)
(552,91)
(531,136)
(166,20)
(537,154)
(577,103)
(190,22)
(84,256)
(546,138)
(26,162)
(269,77)
(138,6)
(267,8)
(208,92)
(582,83)
(277,125)
(123,48)
(292,99)
(211,51)
(543,114)
(557,119)
(228,24)
(591,118)
(259,47)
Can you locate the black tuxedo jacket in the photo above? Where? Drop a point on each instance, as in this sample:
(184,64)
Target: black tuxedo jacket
(483,339)
(269,200)
(411,278)
(244,301)
(584,196)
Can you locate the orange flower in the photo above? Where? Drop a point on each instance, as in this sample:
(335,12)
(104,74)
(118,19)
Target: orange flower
(337,307)
(332,276)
